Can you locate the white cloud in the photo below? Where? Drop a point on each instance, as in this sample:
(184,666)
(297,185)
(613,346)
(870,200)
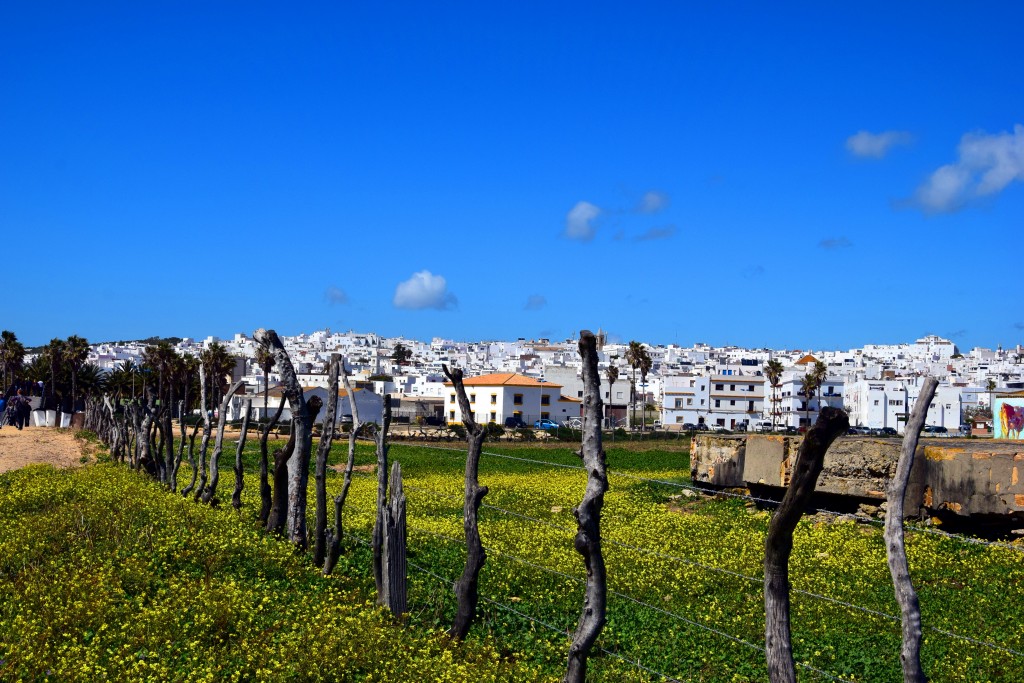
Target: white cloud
(535,302)
(986,165)
(653,202)
(579,222)
(335,295)
(876,145)
(424,290)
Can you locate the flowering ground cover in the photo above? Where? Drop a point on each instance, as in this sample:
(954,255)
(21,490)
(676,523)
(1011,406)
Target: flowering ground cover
(104,575)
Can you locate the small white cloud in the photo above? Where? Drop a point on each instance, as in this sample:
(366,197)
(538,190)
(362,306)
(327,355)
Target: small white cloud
(335,296)
(424,290)
(653,202)
(656,234)
(835,243)
(876,145)
(579,222)
(986,165)
(535,302)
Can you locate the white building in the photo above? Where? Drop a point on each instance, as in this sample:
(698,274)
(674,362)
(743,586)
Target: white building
(498,396)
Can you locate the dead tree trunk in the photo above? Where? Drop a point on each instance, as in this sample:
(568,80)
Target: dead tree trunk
(192,459)
(146,410)
(779,543)
(906,596)
(204,444)
(278,515)
(394,559)
(588,517)
(236,495)
(322,453)
(167,414)
(467,586)
(266,500)
(334,535)
(302,430)
(181,447)
(377,541)
(277,521)
(210,492)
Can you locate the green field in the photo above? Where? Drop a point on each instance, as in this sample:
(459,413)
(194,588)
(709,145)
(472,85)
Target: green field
(107,576)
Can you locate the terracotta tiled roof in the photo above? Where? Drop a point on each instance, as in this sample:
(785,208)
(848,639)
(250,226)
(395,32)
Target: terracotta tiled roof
(807,360)
(507,379)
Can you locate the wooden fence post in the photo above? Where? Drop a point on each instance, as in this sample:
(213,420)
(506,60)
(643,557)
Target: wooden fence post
(393,557)
(588,517)
(896,551)
(779,543)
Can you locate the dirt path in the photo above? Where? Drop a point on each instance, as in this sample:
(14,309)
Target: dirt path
(34,445)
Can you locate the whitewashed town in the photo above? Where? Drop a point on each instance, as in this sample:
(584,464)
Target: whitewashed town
(700,387)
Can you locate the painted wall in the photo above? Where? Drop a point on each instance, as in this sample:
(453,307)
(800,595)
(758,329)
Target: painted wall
(1008,417)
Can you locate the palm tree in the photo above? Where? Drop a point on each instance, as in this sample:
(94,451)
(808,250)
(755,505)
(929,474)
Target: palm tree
(810,383)
(633,359)
(645,367)
(75,350)
(92,380)
(773,371)
(55,356)
(12,356)
(218,363)
(612,373)
(265,361)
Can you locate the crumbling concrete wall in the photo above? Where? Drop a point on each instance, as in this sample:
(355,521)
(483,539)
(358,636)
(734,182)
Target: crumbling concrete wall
(966,477)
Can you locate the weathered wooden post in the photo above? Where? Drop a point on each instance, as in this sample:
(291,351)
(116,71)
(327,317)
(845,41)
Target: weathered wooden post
(236,495)
(896,551)
(209,493)
(588,517)
(393,550)
(779,543)
(322,452)
(467,587)
(377,539)
(334,535)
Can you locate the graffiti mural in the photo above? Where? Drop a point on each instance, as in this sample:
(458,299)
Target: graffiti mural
(1008,417)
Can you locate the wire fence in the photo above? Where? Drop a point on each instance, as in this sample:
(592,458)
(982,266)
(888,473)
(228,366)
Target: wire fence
(669,558)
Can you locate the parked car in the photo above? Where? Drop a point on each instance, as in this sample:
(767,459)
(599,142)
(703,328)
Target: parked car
(889,431)
(702,427)
(689,427)
(514,422)
(545,424)
(965,430)
(346,419)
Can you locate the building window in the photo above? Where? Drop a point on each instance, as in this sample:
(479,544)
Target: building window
(517,399)
(494,399)
(545,399)
(494,416)
(452,399)
(451,414)
(579,394)
(718,404)
(472,398)
(545,416)
(876,401)
(618,395)
(732,403)
(689,401)
(750,406)
(732,387)
(719,387)
(679,403)
(750,387)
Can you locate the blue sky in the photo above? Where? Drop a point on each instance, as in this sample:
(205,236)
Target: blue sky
(744,173)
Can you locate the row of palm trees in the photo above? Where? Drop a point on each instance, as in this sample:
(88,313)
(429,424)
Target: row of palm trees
(809,384)
(62,368)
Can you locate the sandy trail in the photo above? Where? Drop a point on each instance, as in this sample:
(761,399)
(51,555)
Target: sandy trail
(33,445)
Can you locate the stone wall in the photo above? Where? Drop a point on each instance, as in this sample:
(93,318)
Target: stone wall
(967,477)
